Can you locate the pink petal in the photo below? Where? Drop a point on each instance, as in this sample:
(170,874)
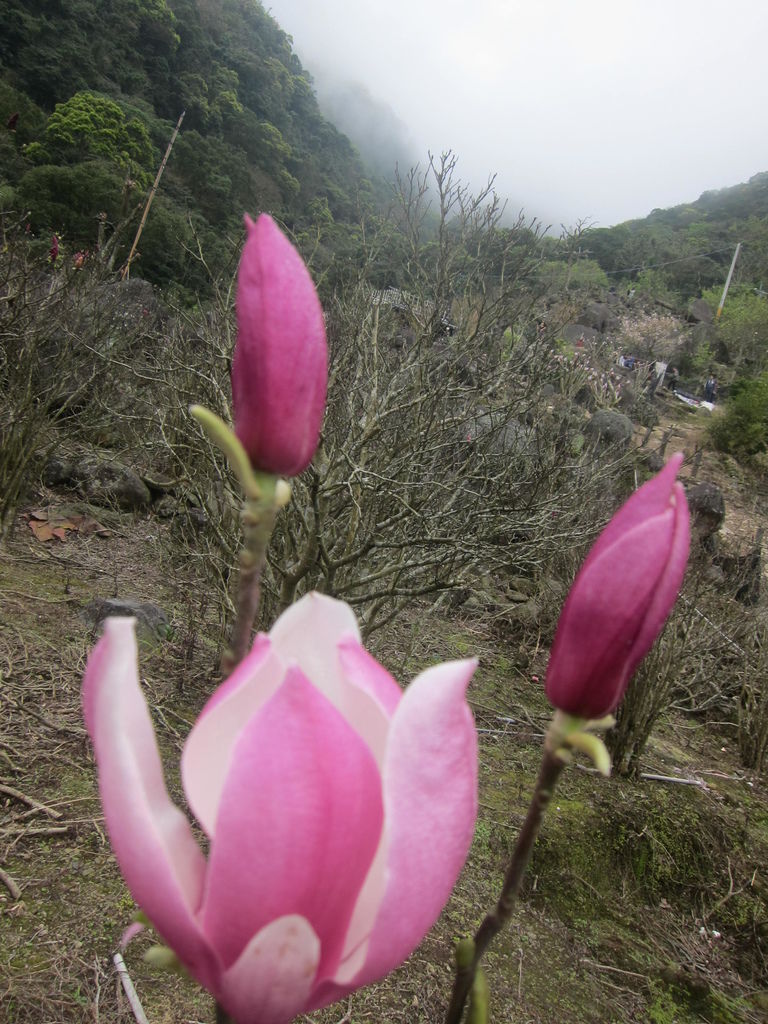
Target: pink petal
(652,499)
(317,634)
(430,796)
(299,822)
(271,980)
(152,840)
(670,582)
(280,363)
(362,669)
(210,746)
(602,616)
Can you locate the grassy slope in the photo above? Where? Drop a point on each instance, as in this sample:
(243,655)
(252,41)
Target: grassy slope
(623,879)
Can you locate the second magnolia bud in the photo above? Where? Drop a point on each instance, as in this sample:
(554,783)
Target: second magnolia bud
(280,363)
(621,598)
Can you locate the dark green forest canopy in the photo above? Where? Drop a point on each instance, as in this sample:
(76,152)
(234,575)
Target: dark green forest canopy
(99,84)
(711,225)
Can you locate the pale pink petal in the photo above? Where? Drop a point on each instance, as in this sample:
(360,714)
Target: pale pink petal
(130,933)
(362,669)
(152,840)
(308,634)
(430,796)
(241,673)
(210,745)
(271,980)
(299,822)
(316,634)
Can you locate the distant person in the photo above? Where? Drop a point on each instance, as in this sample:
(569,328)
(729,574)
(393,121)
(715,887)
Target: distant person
(674,379)
(710,389)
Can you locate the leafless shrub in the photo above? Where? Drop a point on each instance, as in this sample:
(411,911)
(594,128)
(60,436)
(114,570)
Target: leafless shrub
(753,704)
(60,327)
(708,662)
(444,461)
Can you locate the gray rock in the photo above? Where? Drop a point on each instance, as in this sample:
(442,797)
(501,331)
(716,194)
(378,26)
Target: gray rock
(654,461)
(189,523)
(151,619)
(58,472)
(527,614)
(110,483)
(572,333)
(610,428)
(508,438)
(700,312)
(599,316)
(628,395)
(707,508)
(99,480)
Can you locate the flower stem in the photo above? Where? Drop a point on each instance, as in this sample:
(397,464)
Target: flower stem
(551,767)
(258,521)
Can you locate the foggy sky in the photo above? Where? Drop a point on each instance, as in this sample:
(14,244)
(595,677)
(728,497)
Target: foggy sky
(586,109)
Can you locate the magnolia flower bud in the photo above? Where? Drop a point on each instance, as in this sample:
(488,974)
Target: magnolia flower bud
(621,598)
(280,363)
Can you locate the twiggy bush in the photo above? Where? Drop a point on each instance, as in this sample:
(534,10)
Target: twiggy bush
(441,465)
(753,703)
(61,328)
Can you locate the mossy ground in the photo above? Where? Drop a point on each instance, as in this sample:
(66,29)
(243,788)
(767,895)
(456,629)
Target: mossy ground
(628,884)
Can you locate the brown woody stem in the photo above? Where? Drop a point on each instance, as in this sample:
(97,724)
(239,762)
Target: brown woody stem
(551,767)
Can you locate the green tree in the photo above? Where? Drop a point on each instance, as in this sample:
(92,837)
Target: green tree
(90,126)
(743,428)
(742,327)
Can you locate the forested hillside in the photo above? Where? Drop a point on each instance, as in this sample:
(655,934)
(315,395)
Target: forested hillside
(656,251)
(90,91)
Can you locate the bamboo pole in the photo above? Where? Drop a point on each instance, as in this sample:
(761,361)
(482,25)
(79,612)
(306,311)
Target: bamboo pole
(127,268)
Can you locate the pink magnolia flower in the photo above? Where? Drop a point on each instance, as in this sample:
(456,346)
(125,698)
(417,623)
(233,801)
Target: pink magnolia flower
(621,598)
(280,364)
(339,811)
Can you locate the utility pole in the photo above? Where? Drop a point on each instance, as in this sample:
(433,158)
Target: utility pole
(127,268)
(727,282)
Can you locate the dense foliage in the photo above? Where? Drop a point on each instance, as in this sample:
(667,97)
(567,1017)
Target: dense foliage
(90,91)
(663,251)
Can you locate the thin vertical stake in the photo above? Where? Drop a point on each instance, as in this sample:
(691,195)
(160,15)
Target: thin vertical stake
(127,268)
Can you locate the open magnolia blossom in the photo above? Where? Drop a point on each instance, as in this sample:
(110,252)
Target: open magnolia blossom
(339,811)
(621,598)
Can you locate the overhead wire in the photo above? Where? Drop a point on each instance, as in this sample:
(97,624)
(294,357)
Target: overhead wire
(680,259)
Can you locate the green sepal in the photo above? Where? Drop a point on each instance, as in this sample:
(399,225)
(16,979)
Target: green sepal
(225,438)
(141,918)
(164,959)
(593,747)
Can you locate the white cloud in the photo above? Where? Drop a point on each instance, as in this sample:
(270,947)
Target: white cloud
(600,108)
